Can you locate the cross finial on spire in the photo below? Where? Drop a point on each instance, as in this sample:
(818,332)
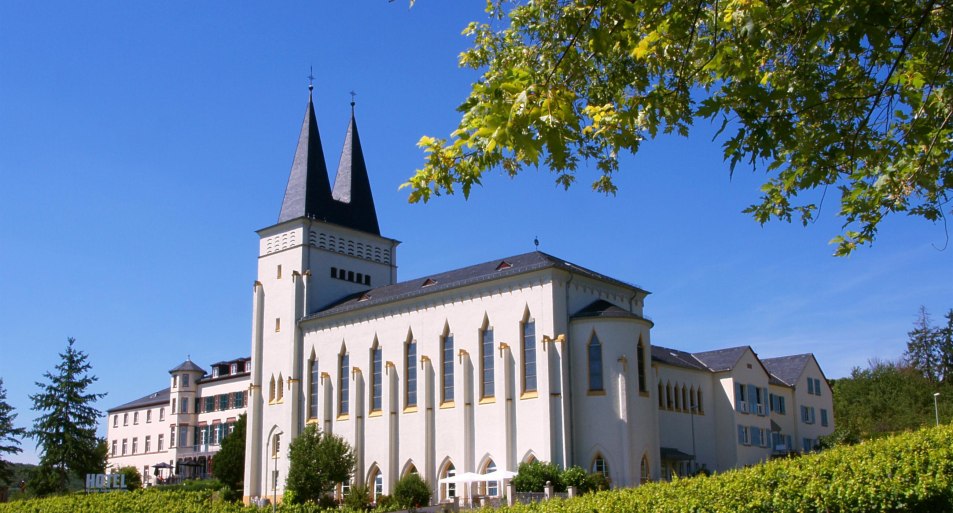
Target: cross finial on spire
(353,94)
(311,79)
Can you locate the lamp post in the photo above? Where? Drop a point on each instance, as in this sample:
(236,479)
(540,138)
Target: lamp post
(936,409)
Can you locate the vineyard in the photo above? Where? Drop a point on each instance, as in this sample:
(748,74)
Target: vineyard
(909,472)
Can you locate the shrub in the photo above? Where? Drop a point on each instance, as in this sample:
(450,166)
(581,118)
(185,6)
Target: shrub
(576,476)
(318,462)
(412,492)
(386,503)
(358,498)
(532,477)
(133,478)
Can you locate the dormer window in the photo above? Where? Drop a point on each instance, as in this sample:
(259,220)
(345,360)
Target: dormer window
(234,369)
(428,282)
(504,265)
(214,372)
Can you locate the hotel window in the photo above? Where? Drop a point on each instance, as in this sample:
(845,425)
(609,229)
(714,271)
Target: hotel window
(280,389)
(135,445)
(161,414)
(234,368)
(276,445)
(486,353)
(377,374)
(114,448)
(640,356)
(817,387)
(125,418)
(185,406)
(115,420)
(644,469)
(492,487)
(172,437)
(744,435)
(313,388)
(595,364)
(277,323)
(343,369)
(529,356)
(148,416)
(271,390)
(446,362)
(810,386)
(185,381)
(148,443)
(125,443)
(278,273)
(223,402)
(160,443)
(701,408)
(823,417)
(410,374)
(210,403)
(661,396)
(175,381)
(183,436)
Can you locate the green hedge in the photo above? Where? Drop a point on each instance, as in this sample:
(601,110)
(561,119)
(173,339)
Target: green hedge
(909,472)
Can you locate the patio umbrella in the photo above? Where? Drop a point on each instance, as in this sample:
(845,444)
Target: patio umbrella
(498,475)
(466,478)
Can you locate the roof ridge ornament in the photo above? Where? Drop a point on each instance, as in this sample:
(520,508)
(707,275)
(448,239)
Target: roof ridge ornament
(310,79)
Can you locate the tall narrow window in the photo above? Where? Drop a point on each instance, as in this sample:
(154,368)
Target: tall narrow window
(640,356)
(343,369)
(447,371)
(529,356)
(271,391)
(313,389)
(410,374)
(376,376)
(661,395)
(644,469)
(486,350)
(599,466)
(595,364)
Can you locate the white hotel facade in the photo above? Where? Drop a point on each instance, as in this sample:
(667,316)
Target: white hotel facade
(480,368)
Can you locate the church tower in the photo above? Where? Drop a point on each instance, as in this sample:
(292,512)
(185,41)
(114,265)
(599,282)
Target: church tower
(325,247)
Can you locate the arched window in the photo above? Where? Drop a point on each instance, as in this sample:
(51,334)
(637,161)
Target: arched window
(669,401)
(644,469)
(661,396)
(377,374)
(693,407)
(529,356)
(486,357)
(448,490)
(684,398)
(701,408)
(640,355)
(599,466)
(313,388)
(376,481)
(678,401)
(343,389)
(490,488)
(271,392)
(280,389)
(595,364)
(410,375)
(446,363)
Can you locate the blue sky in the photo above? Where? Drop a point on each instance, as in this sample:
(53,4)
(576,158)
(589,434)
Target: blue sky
(142,144)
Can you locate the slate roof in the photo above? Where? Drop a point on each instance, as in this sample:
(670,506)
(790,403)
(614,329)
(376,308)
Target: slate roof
(487,271)
(155,398)
(308,193)
(721,359)
(787,368)
(353,201)
(187,365)
(676,358)
(604,309)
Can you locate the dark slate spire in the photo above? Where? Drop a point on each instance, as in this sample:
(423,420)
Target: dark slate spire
(352,187)
(308,192)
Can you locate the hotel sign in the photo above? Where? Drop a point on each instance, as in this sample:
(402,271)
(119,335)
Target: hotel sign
(96,483)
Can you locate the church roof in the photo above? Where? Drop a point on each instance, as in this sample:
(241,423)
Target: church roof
(187,366)
(354,202)
(160,397)
(487,271)
(721,359)
(308,193)
(676,358)
(604,309)
(787,368)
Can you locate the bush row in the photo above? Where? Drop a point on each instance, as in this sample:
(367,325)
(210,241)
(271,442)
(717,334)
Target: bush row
(909,472)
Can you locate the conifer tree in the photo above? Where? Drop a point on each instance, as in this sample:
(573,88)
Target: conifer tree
(66,431)
(922,347)
(9,436)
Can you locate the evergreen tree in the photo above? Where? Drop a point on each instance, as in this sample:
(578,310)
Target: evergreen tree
(9,436)
(66,431)
(922,351)
(945,346)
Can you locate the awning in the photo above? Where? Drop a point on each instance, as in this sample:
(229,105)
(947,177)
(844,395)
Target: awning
(672,454)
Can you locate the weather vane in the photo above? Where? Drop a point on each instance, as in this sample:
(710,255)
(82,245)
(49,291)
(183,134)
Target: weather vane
(311,78)
(536,241)
(353,95)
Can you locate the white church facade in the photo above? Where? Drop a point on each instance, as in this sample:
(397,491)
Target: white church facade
(475,369)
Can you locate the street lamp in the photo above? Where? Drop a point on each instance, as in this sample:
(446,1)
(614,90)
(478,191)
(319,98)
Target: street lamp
(936,409)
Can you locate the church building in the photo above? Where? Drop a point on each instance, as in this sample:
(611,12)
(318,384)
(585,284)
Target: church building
(472,370)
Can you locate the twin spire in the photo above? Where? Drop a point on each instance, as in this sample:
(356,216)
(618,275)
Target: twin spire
(309,193)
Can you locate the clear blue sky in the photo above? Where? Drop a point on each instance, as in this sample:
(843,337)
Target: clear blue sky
(142,144)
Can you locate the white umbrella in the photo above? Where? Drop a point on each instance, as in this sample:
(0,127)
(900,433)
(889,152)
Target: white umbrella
(465,477)
(498,475)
